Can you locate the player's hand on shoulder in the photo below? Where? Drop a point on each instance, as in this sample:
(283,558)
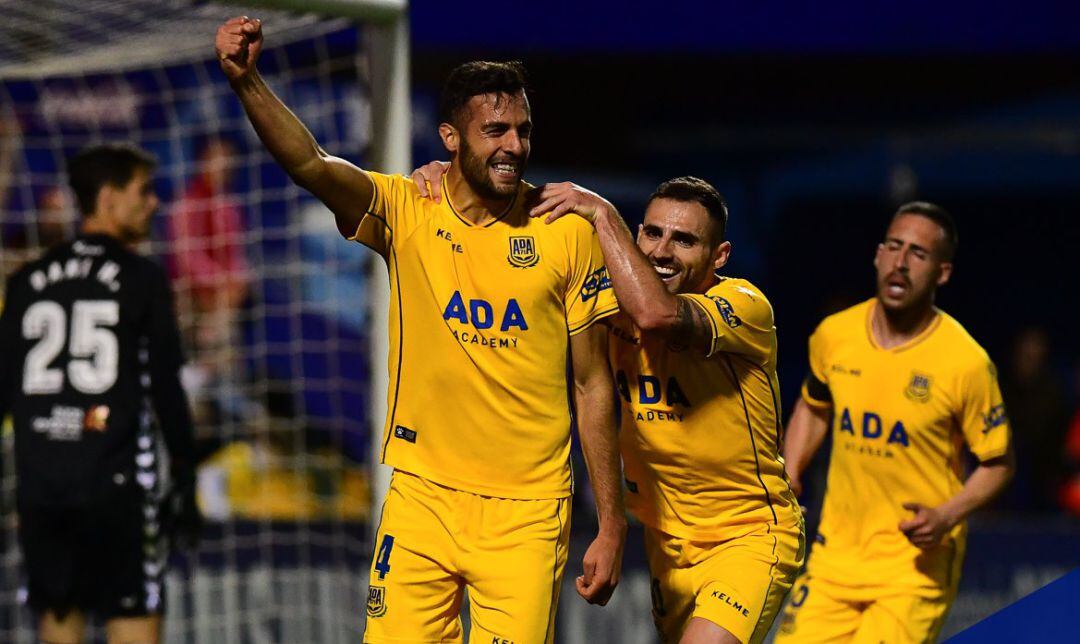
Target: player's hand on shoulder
(556,200)
(238,43)
(601,568)
(927,528)
(428,179)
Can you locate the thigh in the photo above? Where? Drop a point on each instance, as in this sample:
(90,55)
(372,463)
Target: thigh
(133,630)
(814,614)
(122,558)
(414,592)
(903,618)
(672,584)
(47,545)
(516,559)
(743,582)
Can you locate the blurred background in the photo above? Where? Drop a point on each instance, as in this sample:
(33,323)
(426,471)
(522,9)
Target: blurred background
(815,120)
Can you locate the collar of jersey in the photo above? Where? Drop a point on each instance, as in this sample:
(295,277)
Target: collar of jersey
(923,335)
(450,202)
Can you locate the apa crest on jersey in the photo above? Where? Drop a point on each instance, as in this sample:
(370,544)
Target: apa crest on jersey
(919,387)
(376,601)
(522,252)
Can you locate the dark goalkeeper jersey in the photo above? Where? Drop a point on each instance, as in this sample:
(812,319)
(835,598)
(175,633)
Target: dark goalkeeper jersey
(89,360)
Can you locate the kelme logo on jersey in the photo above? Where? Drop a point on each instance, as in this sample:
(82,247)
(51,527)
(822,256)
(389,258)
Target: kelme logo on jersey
(522,252)
(919,387)
(376,601)
(726,311)
(595,282)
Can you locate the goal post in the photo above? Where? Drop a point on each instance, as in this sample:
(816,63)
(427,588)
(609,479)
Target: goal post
(287,562)
(387,35)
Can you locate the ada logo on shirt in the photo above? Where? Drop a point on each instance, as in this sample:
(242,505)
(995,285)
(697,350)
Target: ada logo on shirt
(522,252)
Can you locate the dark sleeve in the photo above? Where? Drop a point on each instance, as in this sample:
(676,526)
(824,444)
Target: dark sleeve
(815,391)
(9,335)
(165,357)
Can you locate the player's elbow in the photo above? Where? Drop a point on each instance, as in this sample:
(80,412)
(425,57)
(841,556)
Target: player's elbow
(653,319)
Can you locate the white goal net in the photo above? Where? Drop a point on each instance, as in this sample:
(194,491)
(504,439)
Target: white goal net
(272,302)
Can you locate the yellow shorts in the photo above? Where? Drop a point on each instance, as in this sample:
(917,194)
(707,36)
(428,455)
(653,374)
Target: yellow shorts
(738,584)
(823,612)
(434,542)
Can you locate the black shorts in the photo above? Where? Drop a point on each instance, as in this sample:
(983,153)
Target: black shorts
(107,557)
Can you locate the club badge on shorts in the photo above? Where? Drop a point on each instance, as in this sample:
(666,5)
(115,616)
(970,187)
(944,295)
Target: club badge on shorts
(376,601)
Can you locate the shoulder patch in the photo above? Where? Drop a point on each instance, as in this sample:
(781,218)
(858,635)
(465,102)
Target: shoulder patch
(595,282)
(726,311)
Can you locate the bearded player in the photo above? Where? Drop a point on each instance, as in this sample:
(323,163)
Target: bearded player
(485,305)
(694,355)
(902,387)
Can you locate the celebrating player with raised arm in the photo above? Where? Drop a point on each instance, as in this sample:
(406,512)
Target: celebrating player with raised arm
(695,361)
(905,386)
(485,304)
(91,356)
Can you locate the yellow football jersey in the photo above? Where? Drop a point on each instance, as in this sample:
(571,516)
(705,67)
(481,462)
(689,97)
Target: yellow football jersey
(900,417)
(700,434)
(480,320)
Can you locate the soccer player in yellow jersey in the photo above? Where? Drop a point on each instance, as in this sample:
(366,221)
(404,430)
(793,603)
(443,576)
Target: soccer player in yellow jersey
(902,386)
(695,361)
(485,305)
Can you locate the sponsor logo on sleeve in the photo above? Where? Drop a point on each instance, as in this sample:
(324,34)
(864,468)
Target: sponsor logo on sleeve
(994,418)
(595,282)
(727,312)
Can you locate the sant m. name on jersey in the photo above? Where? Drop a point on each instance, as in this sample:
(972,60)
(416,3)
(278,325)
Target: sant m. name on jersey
(480,320)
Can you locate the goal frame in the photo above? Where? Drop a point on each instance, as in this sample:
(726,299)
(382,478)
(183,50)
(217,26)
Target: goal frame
(386,35)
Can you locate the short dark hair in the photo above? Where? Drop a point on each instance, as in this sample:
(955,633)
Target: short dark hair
(477,78)
(114,164)
(692,189)
(939,216)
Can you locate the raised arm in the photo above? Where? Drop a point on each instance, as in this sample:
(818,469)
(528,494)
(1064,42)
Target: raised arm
(805,432)
(343,187)
(594,402)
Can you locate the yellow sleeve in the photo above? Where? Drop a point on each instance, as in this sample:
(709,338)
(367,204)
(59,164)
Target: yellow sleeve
(741,320)
(815,389)
(589,296)
(393,211)
(982,413)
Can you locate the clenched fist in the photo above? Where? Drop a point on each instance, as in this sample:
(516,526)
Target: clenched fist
(239,42)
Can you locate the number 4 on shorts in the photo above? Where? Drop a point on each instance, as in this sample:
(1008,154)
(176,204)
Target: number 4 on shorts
(382,559)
